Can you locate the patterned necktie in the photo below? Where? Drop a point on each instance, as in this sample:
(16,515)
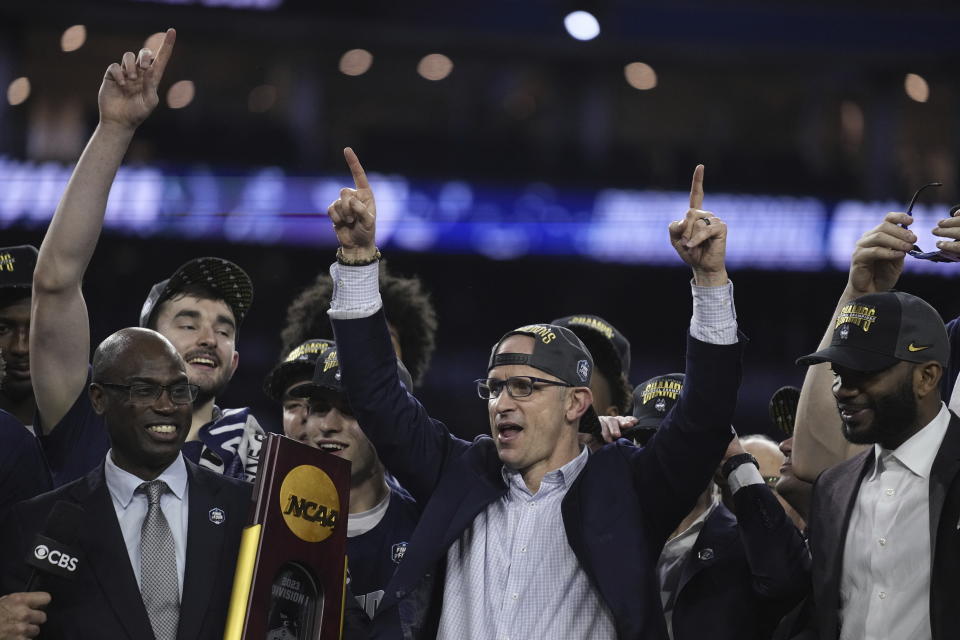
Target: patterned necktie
(159,584)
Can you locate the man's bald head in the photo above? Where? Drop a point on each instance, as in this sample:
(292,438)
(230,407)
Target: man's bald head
(120,352)
(766,452)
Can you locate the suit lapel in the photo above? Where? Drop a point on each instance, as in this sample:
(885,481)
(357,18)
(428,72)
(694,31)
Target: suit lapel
(106,552)
(204,550)
(945,467)
(719,531)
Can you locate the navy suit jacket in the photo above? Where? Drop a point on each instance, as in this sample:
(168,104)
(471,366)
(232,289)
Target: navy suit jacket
(834,496)
(617,515)
(744,573)
(103,600)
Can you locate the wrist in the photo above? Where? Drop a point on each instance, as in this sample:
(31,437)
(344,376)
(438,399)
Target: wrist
(703,278)
(358,256)
(116,129)
(730,464)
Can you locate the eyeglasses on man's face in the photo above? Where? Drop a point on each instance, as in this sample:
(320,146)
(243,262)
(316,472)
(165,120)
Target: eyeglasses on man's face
(143,394)
(516,386)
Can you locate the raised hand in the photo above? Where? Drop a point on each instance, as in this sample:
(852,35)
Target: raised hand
(354,214)
(877,261)
(949,229)
(700,239)
(129,90)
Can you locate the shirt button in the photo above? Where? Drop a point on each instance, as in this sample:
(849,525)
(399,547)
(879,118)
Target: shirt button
(890,492)
(523,549)
(882,541)
(882,595)
(515,596)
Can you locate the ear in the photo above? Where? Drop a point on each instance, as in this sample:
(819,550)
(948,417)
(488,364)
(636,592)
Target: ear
(234,363)
(926,378)
(579,400)
(98,398)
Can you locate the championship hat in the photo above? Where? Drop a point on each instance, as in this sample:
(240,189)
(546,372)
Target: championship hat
(652,400)
(599,335)
(327,376)
(297,365)
(222,276)
(16,266)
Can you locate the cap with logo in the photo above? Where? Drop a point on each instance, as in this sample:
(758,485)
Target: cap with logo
(557,351)
(878,330)
(326,375)
(222,276)
(16,266)
(297,366)
(598,334)
(652,401)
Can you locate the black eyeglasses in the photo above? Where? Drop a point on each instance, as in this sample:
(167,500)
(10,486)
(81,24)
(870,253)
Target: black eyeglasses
(144,394)
(517,386)
(932,256)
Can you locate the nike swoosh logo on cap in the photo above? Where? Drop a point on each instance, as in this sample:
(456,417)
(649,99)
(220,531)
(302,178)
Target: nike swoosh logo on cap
(910,347)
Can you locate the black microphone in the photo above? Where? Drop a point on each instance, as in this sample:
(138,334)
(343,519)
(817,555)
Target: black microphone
(783,409)
(51,552)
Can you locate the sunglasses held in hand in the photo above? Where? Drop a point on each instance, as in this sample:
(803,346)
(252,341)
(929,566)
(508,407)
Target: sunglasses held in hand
(933,256)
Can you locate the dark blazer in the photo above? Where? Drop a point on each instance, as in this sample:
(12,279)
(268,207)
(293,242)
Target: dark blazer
(834,495)
(744,573)
(103,601)
(617,514)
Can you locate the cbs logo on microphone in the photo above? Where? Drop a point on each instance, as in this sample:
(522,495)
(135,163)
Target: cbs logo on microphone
(56,557)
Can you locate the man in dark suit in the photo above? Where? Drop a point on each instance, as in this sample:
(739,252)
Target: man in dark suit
(158,536)
(883,524)
(525,533)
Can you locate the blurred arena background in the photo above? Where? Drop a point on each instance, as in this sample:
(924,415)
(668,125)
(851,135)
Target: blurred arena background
(526,158)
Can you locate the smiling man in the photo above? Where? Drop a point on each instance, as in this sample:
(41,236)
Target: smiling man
(525,533)
(155,561)
(883,524)
(316,411)
(199,308)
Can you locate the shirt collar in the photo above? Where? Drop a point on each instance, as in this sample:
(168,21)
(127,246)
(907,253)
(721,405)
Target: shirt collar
(123,484)
(918,452)
(565,475)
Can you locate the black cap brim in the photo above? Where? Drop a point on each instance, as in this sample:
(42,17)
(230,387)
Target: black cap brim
(851,358)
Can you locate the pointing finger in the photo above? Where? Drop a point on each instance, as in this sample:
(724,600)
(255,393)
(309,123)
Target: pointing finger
(356,169)
(163,55)
(696,188)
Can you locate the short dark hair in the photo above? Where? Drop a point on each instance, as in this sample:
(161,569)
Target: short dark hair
(406,304)
(197,290)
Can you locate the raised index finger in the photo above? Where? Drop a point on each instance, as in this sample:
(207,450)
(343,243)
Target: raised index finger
(696,188)
(163,54)
(356,169)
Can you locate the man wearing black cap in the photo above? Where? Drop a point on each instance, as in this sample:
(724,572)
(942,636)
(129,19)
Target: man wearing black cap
(883,525)
(316,411)
(491,555)
(724,573)
(199,308)
(610,384)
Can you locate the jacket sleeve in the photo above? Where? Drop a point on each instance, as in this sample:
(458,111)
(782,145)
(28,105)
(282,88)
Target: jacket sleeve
(679,460)
(776,552)
(414,448)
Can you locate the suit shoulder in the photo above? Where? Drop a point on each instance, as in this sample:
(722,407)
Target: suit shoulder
(838,472)
(234,486)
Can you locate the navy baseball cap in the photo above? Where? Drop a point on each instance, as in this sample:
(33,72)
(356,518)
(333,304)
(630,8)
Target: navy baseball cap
(326,375)
(878,330)
(652,401)
(296,366)
(597,334)
(17,265)
(222,276)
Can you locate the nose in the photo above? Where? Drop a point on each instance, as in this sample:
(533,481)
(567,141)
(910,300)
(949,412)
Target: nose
(207,337)
(21,344)
(329,423)
(786,447)
(164,404)
(503,402)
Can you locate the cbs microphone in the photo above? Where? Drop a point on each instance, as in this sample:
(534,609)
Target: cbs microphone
(52,553)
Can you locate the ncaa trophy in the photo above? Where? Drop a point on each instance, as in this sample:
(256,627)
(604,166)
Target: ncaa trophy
(291,570)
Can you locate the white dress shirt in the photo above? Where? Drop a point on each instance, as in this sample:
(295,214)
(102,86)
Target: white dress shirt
(885,584)
(131,508)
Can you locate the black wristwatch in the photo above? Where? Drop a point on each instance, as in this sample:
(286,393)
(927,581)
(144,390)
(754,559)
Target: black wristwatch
(735,461)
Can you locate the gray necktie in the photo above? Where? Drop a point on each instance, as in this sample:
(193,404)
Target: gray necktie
(159,584)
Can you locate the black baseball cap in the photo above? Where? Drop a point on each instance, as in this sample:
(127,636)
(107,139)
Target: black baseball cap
(297,365)
(598,334)
(326,375)
(222,276)
(17,265)
(557,351)
(652,400)
(878,330)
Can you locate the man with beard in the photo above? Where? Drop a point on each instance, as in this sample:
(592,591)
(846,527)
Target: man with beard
(199,308)
(883,525)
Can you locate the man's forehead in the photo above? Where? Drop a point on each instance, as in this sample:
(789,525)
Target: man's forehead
(518,343)
(17,308)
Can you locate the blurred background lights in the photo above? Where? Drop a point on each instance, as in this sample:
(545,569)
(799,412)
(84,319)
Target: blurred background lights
(18,91)
(73,38)
(356,62)
(153,42)
(180,94)
(435,66)
(582,25)
(262,98)
(640,75)
(916,87)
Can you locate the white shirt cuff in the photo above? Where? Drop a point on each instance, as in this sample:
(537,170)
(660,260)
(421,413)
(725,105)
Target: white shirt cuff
(746,474)
(714,315)
(356,291)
